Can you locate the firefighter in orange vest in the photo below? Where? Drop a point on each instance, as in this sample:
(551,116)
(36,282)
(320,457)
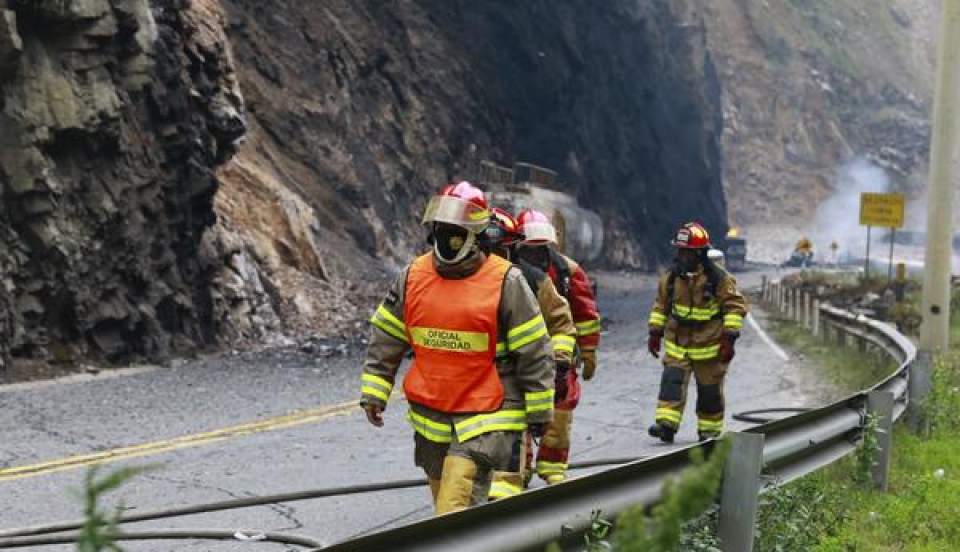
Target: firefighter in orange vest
(698,313)
(538,249)
(482,369)
(502,236)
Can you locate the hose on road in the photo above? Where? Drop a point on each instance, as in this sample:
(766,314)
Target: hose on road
(756,416)
(264,500)
(168,534)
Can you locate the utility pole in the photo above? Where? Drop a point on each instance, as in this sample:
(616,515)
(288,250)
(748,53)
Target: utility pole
(934,330)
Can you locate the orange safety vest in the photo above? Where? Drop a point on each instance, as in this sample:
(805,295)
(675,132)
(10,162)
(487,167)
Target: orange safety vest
(452,327)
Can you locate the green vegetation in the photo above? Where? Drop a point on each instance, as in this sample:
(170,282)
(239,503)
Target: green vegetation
(683,501)
(835,510)
(847,368)
(676,523)
(99,530)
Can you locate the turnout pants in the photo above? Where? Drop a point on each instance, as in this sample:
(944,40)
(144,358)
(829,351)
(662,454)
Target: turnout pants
(460,473)
(554,448)
(709,375)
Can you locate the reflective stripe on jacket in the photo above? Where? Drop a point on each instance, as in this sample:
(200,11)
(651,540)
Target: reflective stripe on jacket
(695,324)
(583,304)
(524,363)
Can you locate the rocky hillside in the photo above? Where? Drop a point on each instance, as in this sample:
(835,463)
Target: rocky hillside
(358,111)
(811,86)
(114,114)
(147,210)
(179,174)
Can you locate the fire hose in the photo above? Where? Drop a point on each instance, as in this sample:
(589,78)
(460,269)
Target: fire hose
(56,533)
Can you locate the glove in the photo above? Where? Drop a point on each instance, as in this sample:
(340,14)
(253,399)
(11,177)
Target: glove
(374,413)
(653,342)
(560,381)
(726,347)
(537,429)
(588,359)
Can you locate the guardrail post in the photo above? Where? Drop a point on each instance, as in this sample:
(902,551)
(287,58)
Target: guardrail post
(880,405)
(841,336)
(816,316)
(763,287)
(920,385)
(806,309)
(739,493)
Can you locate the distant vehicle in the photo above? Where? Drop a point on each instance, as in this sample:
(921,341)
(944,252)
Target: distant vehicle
(735,251)
(800,259)
(579,230)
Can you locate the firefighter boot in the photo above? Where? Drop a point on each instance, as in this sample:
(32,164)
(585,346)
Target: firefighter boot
(663,432)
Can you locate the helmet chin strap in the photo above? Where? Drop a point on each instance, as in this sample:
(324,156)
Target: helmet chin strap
(462,254)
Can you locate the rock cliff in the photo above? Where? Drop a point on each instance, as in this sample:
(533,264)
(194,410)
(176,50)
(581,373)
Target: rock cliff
(114,115)
(184,173)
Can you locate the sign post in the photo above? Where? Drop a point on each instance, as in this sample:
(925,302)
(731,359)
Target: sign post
(881,210)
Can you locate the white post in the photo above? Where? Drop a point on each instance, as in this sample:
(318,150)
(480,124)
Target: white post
(934,331)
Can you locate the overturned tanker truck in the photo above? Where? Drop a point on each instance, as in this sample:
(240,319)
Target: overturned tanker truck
(579,230)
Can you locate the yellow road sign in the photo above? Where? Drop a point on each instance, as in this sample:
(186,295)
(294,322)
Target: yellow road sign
(881,210)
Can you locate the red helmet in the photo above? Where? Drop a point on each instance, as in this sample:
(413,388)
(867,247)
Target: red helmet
(536,228)
(691,236)
(507,229)
(461,204)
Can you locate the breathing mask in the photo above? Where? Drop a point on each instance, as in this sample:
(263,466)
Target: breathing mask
(452,244)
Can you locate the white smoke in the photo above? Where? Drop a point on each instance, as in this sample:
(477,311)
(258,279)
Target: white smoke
(837,219)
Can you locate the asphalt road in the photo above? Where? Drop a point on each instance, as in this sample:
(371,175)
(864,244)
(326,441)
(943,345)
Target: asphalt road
(242,425)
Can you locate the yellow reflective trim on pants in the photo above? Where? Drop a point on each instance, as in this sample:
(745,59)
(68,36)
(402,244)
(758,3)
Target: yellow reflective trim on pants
(669,414)
(551,468)
(502,489)
(525,333)
(376,386)
(389,323)
(504,420)
(564,343)
(710,425)
(429,429)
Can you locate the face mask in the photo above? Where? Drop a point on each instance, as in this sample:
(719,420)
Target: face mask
(686,263)
(452,244)
(538,256)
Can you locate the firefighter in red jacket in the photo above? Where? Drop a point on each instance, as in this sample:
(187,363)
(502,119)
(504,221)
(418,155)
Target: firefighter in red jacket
(538,249)
(698,313)
(483,368)
(502,237)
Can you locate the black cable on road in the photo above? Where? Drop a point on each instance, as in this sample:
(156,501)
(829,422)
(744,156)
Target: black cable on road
(268,499)
(755,417)
(222,505)
(167,534)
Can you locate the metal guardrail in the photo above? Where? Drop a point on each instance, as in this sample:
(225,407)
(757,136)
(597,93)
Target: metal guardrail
(787,449)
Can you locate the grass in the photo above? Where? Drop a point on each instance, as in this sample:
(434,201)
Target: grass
(921,509)
(846,368)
